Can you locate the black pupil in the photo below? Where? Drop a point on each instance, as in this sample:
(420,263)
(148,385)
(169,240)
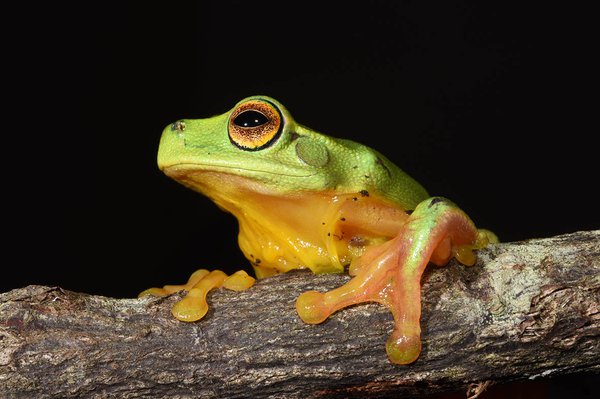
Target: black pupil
(250,119)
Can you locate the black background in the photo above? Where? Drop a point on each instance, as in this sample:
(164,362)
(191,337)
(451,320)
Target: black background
(487,105)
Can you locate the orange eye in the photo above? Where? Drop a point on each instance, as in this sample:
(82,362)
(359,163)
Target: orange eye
(254,125)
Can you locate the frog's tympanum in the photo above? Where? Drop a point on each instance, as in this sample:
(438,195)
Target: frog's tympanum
(307,200)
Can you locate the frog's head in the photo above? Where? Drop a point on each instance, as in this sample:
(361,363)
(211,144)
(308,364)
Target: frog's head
(257,145)
(257,140)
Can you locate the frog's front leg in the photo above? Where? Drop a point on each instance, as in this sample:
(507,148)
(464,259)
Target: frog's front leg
(391,272)
(193,306)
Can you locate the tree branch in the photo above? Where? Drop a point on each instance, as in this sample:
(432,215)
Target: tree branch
(526,310)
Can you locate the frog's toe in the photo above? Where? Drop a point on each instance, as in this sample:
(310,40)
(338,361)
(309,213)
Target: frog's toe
(464,253)
(193,306)
(239,281)
(311,307)
(402,348)
(154,291)
(485,237)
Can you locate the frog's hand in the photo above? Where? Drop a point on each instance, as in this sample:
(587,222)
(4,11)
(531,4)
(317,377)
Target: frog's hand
(390,273)
(193,306)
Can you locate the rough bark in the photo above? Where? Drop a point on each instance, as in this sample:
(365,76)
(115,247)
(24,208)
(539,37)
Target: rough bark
(526,310)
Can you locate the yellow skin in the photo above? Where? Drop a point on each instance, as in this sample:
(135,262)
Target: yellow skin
(307,200)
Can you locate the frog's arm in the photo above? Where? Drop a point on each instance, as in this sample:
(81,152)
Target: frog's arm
(391,272)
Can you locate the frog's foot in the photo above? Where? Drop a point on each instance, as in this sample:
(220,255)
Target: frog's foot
(391,272)
(194,306)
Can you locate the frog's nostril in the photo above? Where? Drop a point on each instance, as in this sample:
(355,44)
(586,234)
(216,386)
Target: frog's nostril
(178,126)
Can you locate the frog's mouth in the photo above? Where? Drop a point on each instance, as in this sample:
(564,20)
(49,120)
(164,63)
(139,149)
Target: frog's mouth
(181,170)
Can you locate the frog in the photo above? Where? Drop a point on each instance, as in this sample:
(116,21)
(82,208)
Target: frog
(306,200)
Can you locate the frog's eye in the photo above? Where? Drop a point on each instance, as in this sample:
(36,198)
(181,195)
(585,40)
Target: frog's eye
(254,125)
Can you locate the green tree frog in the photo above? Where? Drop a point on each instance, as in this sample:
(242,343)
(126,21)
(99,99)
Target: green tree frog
(307,200)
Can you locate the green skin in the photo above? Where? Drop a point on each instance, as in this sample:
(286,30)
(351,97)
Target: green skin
(296,165)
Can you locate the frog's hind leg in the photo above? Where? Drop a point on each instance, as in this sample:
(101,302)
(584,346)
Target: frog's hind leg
(193,306)
(390,273)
